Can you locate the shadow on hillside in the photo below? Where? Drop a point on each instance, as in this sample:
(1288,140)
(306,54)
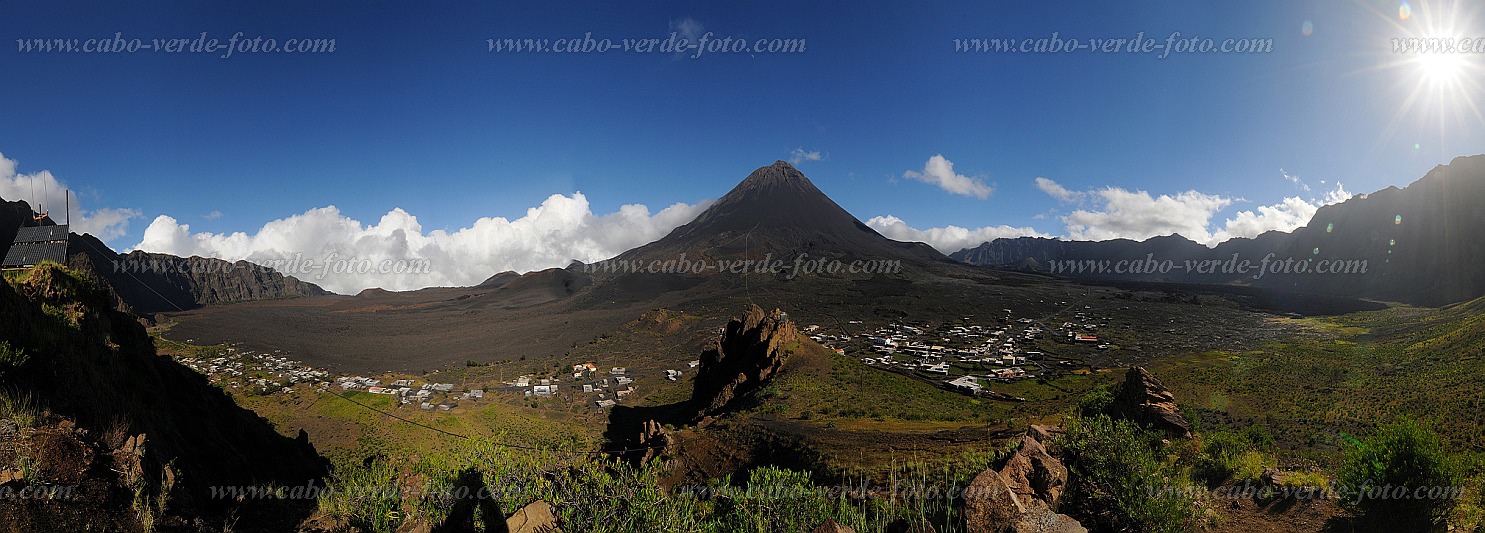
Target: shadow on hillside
(625,431)
(474,502)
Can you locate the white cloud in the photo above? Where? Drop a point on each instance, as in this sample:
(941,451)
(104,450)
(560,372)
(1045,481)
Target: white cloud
(1337,195)
(939,171)
(1059,192)
(1295,180)
(687,28)
(799,155)
(1291,213)
(212,215)
(1121,213)
(948,239)
(42,187)
(1117,213)
(561,229)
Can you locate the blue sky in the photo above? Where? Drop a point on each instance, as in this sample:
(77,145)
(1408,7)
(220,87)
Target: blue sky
(411,111)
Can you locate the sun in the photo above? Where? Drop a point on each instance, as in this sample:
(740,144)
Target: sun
(1441,68)
(1436,87)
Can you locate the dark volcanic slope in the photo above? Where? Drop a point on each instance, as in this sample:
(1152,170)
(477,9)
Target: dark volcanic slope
(1419,244)
(778,210)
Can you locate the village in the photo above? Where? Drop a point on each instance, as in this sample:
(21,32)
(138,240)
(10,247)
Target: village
(248,372)
(967,357)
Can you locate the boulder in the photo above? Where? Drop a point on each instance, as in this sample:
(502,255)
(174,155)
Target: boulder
(1039,518)
(536,517)
(990,503)
(1043,433)
(1021,497)
(1034,473)
(831,526)
(1273,477)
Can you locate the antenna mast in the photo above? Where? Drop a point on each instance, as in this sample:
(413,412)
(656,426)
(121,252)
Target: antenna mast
(39,212)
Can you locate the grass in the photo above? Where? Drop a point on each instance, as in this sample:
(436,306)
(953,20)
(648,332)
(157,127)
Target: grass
(30,471)
(367,495)
(20,407)
(11,358)
(1306,480)
(1344,377)
(1349,373)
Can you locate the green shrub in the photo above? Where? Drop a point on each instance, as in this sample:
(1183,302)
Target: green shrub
(1097,402)
(1120,479)
(1403,457)
(610,496)
(1259,437)
(1226,455)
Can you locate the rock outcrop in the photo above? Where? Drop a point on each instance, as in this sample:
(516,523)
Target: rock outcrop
(1021,497)
(751,349)
(1144,400)
(1034,473)
(654,439)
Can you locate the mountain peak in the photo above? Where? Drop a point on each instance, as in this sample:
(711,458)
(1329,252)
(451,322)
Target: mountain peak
(779,211)
(779,174)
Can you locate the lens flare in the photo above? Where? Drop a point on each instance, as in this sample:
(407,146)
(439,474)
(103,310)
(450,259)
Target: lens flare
(1404,11)
(1307,28)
